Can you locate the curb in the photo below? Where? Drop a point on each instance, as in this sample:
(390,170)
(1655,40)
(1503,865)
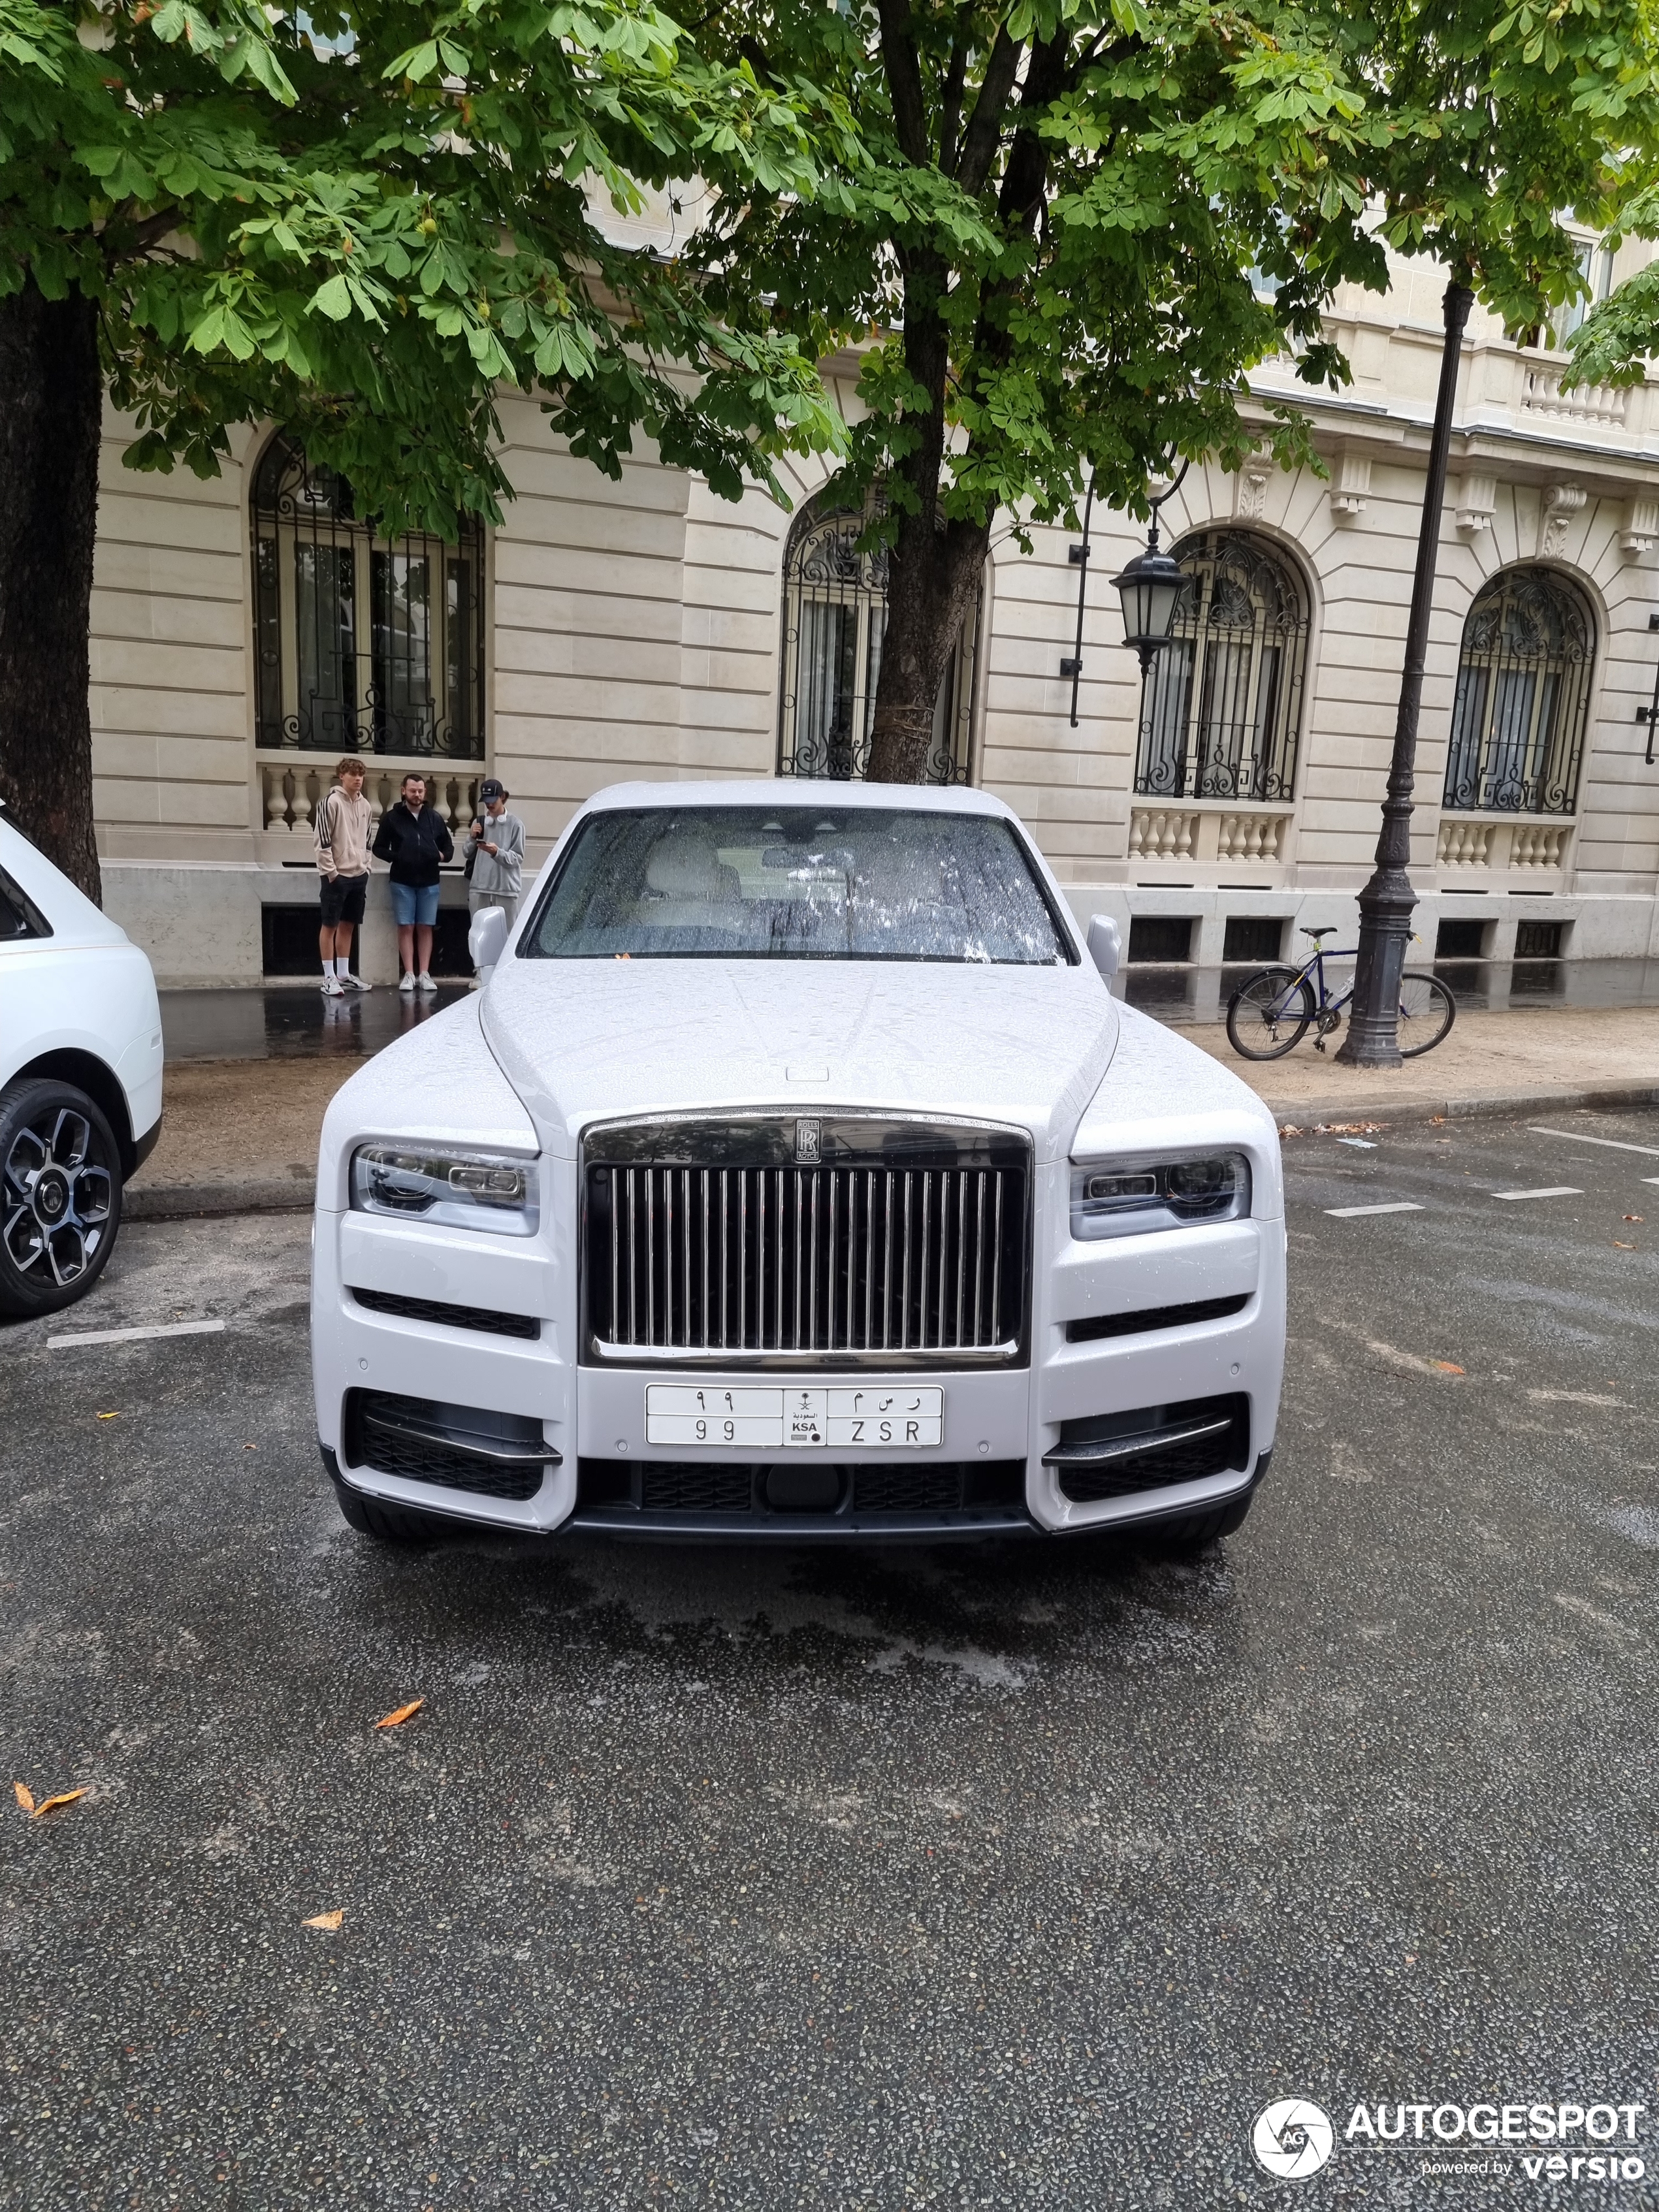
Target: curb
(1458,1110)
(179,1201)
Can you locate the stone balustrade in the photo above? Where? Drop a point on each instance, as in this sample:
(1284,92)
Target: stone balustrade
(291,789)
(1464,844)
(1606,405)
(1497,842)
(1156,834)
(1204,834)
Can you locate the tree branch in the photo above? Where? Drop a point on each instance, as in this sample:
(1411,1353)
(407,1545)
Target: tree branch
(984,131)
(950,105)
(118,241)
(898,55)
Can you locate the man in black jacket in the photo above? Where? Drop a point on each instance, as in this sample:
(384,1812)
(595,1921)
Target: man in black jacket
(413,839)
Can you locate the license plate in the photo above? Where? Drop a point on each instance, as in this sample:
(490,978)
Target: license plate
(802,1420)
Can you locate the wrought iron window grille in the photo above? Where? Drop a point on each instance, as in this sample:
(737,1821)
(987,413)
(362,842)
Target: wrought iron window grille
(1522,705)
(1221,709)
(835,621)
(362,643)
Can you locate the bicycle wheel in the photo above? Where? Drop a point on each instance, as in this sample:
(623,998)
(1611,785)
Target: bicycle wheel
(1269,1016)
(1427,1010)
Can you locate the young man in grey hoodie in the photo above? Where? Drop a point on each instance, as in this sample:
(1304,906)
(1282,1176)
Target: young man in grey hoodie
(497,846)
(344,822)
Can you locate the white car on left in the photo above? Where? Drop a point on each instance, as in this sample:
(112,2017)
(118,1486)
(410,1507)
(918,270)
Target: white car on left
(80,1080)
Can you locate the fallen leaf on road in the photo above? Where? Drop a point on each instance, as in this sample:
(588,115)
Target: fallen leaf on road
(402,1713)
(51,1805)
(24,1796)
(1395,1357)
(1618,1247)
(109,1417)
(1633,1216)
(328,1921)
(1290,1129)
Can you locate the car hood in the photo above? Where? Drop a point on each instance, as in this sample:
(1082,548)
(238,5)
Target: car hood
(584,1041)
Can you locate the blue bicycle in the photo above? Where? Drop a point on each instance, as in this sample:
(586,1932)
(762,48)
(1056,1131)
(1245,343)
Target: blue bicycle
(1274,1011)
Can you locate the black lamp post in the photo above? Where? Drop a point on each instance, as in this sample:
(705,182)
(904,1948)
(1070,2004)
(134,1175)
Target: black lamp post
(1386,902)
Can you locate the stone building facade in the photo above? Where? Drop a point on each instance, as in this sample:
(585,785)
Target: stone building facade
(247,631)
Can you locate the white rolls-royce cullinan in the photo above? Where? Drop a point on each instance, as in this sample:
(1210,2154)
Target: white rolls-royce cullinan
(795,1175)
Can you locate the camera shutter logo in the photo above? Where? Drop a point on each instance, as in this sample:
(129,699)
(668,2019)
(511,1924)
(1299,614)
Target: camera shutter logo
(1293,2139)
(809,1142)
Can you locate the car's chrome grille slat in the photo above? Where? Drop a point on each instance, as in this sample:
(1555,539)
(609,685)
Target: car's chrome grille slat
(837,1259)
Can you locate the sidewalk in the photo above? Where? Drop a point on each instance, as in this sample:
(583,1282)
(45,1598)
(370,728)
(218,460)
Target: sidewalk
(240,1135)
(1557,1056)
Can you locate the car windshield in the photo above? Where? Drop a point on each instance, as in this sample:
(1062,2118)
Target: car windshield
(750,883)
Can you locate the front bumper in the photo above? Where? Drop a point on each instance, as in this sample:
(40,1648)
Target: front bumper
(592,1419)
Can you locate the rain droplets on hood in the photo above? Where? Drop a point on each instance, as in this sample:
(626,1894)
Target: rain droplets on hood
(748,883)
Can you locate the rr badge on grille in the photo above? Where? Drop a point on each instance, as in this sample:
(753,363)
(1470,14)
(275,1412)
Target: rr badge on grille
(809,1141)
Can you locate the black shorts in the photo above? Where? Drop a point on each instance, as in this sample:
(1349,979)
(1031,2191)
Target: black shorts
(342,899)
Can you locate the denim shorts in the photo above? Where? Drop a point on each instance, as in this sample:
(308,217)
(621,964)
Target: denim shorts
(416,903)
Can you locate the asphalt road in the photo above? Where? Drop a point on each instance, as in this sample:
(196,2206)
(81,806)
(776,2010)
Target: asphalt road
(982,1878)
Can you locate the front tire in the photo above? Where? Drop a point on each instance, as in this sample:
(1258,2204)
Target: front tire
(388,1525)
(1269,1016)
(1189,1538)
(60,1195)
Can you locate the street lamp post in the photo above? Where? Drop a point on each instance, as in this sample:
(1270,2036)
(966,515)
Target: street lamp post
(1386,902)
(1150,589)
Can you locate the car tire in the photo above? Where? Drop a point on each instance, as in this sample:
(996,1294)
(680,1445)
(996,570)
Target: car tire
(1188,1539)
(388,1525)
(60,1195)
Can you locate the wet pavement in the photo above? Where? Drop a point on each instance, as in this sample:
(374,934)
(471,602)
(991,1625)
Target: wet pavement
(290,1021)
(295,1020)
(1014,1876)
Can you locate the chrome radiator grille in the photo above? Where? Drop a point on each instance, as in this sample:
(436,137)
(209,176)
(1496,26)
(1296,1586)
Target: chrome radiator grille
(857,1258)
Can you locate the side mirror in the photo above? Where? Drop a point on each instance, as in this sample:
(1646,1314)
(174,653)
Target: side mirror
(486,939)
(1105,943)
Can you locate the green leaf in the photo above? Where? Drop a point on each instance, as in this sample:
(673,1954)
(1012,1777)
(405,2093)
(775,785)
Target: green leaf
(333,299)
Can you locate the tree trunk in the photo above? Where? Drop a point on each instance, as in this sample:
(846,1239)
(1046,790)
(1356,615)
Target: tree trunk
(930,589)
(50,415)
(931,574)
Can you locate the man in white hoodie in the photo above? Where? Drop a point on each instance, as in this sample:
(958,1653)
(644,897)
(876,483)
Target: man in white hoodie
(343,822)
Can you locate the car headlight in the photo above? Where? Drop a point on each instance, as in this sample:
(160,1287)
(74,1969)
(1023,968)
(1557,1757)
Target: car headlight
(1130,1198)
(452,1190)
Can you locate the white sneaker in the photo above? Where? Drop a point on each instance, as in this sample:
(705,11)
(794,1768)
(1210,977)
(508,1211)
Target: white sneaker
(407,983)
(356,983)
(331,988)
(424,982)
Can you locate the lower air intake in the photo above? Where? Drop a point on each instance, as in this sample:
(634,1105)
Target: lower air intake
(1118,1454)
(799,1495)
(453,1447)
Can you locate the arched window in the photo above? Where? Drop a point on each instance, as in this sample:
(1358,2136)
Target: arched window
(361,641)
(1221,712)
(1522,697)
(834,618)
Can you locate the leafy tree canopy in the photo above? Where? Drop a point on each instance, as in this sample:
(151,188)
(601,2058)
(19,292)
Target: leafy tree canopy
(362,221)
(1505,125)
(1077,225)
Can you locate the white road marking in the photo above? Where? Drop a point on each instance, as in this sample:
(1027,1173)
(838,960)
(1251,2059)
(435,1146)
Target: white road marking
(1550,1190)
(127,1335)
(1354,1213)
(1612,1144)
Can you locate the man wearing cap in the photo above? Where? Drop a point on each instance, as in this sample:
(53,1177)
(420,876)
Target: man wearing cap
(496,877)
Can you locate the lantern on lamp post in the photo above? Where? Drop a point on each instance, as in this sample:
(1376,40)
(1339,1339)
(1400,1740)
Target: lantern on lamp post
(1151,588)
